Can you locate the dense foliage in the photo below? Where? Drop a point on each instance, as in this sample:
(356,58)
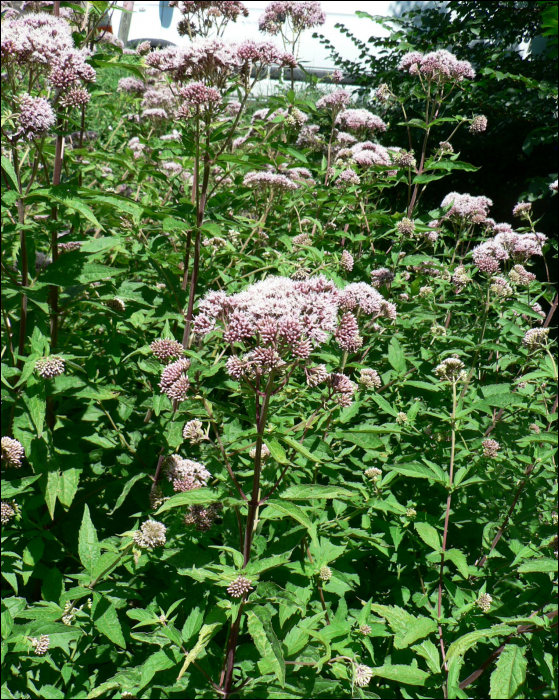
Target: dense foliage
(272,424)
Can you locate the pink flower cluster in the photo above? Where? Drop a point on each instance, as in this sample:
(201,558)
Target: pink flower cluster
(265,179)
(505,245)
(35,117)
(174,380)
(213,61)
(303,15)
(280,321)
(35,39)
(184,474)
(335,101)
(131,85)
(199,94)
(441,66)
(466,208)
(360,120)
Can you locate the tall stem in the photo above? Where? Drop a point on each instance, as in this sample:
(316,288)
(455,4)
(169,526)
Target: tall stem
(24,264)
(261,417)
(446,521)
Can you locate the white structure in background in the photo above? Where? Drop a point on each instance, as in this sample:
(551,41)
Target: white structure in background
(156,20)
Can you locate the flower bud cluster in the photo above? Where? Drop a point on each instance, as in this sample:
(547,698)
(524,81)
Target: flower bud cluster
(150,535)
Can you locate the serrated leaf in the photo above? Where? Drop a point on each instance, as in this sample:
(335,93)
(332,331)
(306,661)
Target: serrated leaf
(396,356)
(87,542)
(429,535)
(206,633)
(299,448)
(509,673)
(160,661)
(196,497)
(193,624)
(430,653)
(265,640)
(543,565)
(126,490)
(406,627)
(106,620)
(459,559)
(277,451)
(68,486)
(384,405)
(402,674)
(311,491)
(291,510)
(467,641)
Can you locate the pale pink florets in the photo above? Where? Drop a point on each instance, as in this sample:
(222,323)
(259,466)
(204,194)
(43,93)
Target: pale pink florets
(348,177)
(360,120)
(303,15)
(347,261)
(199,94)
(464,207)
(266,179)
(35,118)
(441,66)
(335,101)
(478,125)
(381,277)
(347,333)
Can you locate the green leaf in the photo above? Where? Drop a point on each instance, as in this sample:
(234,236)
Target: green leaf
(126,490)
(160,661)
(106,620)
(430,653)
(291,510)
(8,168)
(195,497)
(402,674)
(509,673)
(459,559)
(543,565)
(467,641)
(87,542)
(396,356)
(417,471)
(406,627)
(51,491)
(384,405)
(278,453)
(206,633)
(16,486)
(68,486)
(299,448)
(265,640)
(429,535)
(312,491)
(193,624)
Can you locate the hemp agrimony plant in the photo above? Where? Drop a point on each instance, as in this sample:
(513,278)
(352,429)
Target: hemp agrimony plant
(278,406)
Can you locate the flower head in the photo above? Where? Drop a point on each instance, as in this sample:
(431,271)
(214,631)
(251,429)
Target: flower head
(50,367)
(325,573)
(362,675)
(490,448)
(12,452)
(451,370)
(406,227)
(370,379)
(150,535)
(360,120)
(484,602)
(440,66)
(36,117)
(193,432)
(478,125)
(239,587)
(8,511)
(535,338)
(166,350)
(41,645)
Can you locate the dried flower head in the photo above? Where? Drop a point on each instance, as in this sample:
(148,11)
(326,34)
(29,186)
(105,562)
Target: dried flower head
(325,573)
(425,292)
(411,514)
(193,432)
(451,370)
(50,367)
(501,288)
(490,448)
(362,675)
(402,418)
(150,535)
(438,331)
(166,350)
(370,378)
(535,428)
(301,239)
(41,645)
(12,452)
(535,338)
(365,629)
(239,587)
(460,278)
(484,602)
